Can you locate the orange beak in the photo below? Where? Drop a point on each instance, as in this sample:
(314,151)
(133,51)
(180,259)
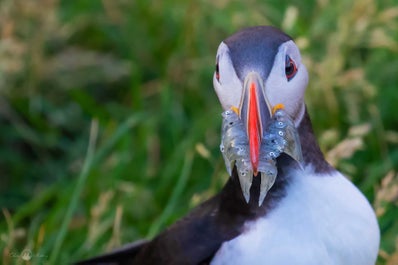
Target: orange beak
(255,113)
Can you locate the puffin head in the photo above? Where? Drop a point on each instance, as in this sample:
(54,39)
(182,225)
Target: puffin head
(258,70)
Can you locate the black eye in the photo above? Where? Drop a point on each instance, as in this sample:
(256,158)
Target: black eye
(217,72)
(290,68)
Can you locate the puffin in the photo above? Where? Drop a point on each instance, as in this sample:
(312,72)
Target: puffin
(283,203)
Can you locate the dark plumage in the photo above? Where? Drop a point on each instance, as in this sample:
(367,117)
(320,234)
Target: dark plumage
(243,47)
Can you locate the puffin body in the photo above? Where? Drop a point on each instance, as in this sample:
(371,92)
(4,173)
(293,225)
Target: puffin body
(286,205)
(322,220)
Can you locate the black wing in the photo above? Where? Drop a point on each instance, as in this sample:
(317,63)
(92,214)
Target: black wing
(194,239)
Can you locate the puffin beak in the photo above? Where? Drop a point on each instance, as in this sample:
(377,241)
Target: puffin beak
(255,112)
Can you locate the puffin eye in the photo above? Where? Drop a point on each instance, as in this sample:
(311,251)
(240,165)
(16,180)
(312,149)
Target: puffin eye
(217,72)
(290,68)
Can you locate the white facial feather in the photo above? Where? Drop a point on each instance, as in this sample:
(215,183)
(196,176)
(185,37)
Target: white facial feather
(280,90)
(229,87)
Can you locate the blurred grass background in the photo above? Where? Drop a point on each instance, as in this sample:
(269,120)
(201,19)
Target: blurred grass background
(110,126)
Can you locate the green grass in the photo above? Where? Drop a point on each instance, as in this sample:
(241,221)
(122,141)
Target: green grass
(110,126)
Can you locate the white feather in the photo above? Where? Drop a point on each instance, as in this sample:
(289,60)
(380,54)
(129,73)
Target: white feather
(323,220)
(229,87)
(290,93)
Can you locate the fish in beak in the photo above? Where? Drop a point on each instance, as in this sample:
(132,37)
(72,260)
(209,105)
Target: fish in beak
(254,135)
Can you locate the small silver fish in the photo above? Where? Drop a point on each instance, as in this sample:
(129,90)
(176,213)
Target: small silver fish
(280,137)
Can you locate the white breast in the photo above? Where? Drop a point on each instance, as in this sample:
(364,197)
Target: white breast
(322,220)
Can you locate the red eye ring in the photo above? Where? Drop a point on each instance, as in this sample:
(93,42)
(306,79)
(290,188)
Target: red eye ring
(290,68)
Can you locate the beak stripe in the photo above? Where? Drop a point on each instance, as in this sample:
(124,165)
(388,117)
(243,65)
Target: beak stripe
(254,128)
